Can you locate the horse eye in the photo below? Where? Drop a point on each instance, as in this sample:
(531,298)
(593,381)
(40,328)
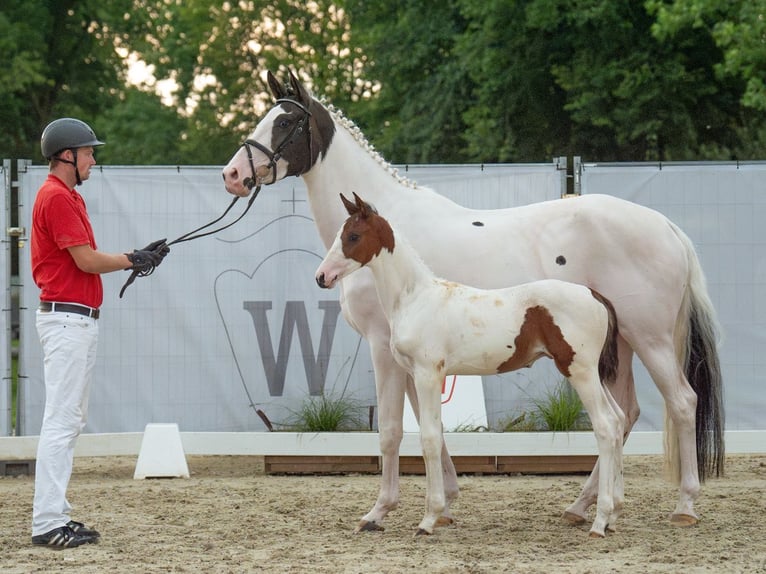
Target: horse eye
(353,237)
(284,124)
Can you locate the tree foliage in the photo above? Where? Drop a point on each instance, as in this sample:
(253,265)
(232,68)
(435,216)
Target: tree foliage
(428,82)
(57,60)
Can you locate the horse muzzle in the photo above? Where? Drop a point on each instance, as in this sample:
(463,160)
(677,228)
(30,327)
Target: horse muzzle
(322,281)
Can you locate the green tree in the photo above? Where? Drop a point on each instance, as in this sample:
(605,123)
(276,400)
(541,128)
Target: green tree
(56,61)
(738,28)
(60,59)
(594,81)
(414,113)
(218,55)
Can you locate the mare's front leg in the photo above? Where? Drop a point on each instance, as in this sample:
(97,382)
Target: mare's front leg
(390,382)
(428,386)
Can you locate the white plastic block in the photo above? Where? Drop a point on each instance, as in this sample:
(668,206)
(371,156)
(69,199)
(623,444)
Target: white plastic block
(162,453)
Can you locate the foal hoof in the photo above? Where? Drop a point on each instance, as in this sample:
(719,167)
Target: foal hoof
(572,518)
(422,532)
(683,520)
(593,534)
(445,521)
(365,526)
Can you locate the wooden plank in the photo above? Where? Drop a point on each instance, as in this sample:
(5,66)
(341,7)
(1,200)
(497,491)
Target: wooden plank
(463,464)
(572,464)
(321,464)
(17,467)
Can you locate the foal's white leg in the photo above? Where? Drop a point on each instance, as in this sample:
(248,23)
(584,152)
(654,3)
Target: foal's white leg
(618,475)
(608,428)
(390,381)
(451,489)
(623,391)
(428,385)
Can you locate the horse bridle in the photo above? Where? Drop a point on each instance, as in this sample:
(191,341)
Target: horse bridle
(249,182)
(274,156)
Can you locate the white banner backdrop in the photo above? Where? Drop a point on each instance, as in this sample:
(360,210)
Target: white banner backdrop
(722,208)
(233,322)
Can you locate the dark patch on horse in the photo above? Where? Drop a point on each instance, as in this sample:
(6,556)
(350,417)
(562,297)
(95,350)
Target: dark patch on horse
(317,134)
(478,224)
(539,328)
(561,260)
(363,236)
(608,361)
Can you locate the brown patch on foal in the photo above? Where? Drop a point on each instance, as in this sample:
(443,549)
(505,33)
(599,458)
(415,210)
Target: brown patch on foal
(539,329)
(365,235)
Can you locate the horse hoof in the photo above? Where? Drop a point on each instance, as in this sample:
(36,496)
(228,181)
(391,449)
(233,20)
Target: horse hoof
(593,534)
(422,532)
(683,520)
(445,521)
(572,518)
(365,526)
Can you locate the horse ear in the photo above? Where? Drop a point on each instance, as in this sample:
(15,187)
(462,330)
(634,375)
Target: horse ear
(299,91)
(350,206)
(276,88)
(363,207)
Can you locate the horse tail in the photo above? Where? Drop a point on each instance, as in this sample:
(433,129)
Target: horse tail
(609,358)
(697,337)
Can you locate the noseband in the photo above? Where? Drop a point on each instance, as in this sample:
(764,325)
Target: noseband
(275,155)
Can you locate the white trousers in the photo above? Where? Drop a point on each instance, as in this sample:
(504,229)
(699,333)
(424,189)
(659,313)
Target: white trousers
(69,343)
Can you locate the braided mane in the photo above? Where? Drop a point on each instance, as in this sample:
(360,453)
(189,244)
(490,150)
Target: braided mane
(340,119)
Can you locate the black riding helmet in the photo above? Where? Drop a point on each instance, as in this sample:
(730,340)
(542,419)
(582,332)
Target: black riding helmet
(67,133)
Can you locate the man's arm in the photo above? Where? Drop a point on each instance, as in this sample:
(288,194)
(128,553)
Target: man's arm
(91,261)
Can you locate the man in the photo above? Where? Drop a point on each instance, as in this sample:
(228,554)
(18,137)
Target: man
(66,266)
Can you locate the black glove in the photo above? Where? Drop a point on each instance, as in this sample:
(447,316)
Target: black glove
(146,259)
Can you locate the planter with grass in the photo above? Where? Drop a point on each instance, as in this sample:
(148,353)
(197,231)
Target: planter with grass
(554,437)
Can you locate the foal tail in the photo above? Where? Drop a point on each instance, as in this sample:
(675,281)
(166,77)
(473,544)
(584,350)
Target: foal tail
(697,336)
(609,359)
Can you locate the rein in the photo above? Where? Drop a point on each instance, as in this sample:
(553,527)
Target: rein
(194,234)
(249,182)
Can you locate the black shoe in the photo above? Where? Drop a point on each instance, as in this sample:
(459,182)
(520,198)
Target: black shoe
(80,528)
(63,537)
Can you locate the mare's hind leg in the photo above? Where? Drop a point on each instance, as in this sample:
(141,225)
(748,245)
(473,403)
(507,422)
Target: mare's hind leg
(623,391)
(680,427)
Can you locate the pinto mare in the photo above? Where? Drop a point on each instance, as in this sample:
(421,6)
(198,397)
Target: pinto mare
(643,263)
(441,328)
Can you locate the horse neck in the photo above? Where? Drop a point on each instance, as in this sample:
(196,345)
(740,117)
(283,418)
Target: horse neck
(349,165)
(398,274)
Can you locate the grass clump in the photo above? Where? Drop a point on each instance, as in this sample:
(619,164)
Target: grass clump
(558,410)
(327,414)
(561,409)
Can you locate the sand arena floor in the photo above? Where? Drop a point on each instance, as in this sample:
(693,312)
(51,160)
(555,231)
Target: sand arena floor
(230,517)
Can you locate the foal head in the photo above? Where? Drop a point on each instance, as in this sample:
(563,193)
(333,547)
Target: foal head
(363,236)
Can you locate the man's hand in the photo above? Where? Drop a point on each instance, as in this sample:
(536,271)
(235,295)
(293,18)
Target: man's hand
(146,259)
(143,261)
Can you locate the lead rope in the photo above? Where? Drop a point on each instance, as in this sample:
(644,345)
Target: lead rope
(191,235)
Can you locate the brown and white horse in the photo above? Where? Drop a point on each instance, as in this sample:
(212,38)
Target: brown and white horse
(441,328)
(643,263)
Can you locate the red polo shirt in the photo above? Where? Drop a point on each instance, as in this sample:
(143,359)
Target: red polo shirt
(60,220)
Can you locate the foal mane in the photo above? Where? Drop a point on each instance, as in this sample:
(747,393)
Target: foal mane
(340,119)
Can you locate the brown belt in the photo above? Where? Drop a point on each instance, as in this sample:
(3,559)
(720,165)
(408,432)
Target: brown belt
(69,308)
